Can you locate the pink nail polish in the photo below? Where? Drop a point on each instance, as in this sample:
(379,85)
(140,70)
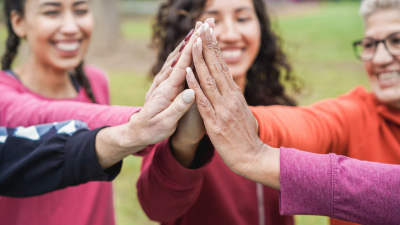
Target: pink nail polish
(182,47)
(174,62)
(189,35)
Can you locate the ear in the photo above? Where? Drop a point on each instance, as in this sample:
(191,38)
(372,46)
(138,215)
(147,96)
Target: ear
(18,24)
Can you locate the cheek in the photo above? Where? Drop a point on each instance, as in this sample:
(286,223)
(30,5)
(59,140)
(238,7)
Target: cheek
(369,68)
(41,30)
(86,24)
(252,36)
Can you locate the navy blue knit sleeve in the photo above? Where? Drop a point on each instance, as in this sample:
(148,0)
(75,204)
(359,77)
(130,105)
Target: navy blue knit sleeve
(45,158)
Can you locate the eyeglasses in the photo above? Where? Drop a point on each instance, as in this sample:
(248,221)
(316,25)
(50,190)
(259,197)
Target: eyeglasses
(366,48)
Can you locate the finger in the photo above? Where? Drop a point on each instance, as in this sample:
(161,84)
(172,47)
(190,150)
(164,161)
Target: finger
(211,22)
(207,82)
(174,56)
(227,74)
(178,75)
(157,81)
(213,64)
(203,104)
(198,24)
(178,107)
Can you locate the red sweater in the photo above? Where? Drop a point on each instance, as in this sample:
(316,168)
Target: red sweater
(211,194)
(355,125)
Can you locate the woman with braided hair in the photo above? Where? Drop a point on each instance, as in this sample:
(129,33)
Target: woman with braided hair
(54,85)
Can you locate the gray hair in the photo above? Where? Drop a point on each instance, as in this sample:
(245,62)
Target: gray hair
(369,7)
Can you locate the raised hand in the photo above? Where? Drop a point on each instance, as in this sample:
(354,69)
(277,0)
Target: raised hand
(157,120)
(190,128)
(228,120)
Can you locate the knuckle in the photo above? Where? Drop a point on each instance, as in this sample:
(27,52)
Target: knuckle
(179,107)
(209,47)
(210,81)
(203,103)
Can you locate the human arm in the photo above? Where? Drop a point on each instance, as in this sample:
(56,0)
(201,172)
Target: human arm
(45,158)
(165,188)
(339,187)
(18,108)
(330,185)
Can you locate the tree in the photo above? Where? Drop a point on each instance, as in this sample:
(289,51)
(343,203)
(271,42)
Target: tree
(107,20)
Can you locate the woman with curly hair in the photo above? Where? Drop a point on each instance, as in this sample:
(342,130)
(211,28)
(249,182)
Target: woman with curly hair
(185,181)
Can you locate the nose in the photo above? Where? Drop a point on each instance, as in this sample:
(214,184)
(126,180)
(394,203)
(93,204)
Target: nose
(228,31)
(382,56)
(69,25)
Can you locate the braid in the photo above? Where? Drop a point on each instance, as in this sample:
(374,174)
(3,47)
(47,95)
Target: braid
(13,40)
(84,81)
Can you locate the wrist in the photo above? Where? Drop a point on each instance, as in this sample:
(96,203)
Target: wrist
(184,151)
(262,165)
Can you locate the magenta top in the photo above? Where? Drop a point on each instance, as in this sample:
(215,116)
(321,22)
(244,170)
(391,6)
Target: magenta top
(339,187)
(90,203)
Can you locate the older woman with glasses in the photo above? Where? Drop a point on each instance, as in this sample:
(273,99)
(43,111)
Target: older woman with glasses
(360,124)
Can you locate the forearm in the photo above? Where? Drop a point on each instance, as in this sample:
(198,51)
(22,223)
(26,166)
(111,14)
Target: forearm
(22,109)
(339,187)
(166,189)
(187,137)
(50,162)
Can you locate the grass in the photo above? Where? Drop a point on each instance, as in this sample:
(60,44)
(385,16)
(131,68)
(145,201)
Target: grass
(318,45)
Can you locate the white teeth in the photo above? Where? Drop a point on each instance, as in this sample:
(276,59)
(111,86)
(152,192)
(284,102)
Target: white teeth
(231,53)
(389,76)
(68,47)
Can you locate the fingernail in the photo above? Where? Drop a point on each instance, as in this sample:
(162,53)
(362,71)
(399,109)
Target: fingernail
(213,20)
(198,31)
(189,35)
(189,75)
(207,33)
(182,47)
(213,37)
(188,96)
(206,26)
(174,62)
(199,45)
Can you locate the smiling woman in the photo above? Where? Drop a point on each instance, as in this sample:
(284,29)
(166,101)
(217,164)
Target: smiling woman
(181,184)
(58,33)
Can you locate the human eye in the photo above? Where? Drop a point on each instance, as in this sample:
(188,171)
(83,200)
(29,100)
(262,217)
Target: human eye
(243,19)
(51,12)
(367,44)
(81,12)
(395,41)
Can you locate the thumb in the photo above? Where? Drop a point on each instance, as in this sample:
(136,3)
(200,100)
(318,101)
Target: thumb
(178,107)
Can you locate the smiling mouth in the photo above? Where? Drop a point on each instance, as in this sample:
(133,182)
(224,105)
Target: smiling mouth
(389,76)
(230,55)
(68,47)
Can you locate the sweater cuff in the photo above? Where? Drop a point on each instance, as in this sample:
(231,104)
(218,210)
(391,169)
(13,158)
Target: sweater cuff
(306,183)
(172,170)
(81,160)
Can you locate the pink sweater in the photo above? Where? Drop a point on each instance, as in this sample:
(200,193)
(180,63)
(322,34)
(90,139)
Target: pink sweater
(339,187)
(90,203)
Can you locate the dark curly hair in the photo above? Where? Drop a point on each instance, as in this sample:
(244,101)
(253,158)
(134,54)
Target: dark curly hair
(174,20)
(13,42)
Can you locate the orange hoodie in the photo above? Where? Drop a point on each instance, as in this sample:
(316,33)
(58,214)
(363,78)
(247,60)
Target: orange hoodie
(355,125)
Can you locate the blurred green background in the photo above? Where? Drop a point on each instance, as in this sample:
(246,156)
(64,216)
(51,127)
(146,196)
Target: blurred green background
(318,42)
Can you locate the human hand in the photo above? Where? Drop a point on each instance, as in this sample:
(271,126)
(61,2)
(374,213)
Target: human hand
(229,122)
(190,128)
(156,121)
(170,63)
